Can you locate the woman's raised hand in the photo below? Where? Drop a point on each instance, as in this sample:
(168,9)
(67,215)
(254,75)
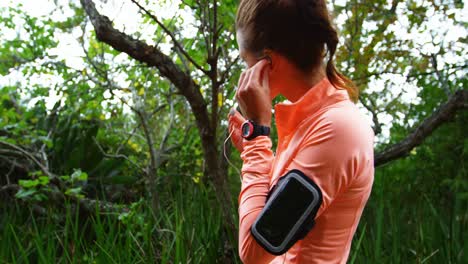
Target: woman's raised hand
(253,93)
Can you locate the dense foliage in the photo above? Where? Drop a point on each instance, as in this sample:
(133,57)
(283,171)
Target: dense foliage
(106,157)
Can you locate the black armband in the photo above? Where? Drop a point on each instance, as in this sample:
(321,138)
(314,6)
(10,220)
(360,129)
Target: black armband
(289,213)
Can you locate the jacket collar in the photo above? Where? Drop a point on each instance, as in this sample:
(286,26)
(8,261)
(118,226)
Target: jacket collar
(289,115)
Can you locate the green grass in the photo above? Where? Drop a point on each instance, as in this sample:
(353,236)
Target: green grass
(188,230)
(397,227)
(413,227)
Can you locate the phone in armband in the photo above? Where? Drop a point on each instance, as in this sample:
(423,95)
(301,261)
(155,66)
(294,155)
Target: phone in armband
(288,214)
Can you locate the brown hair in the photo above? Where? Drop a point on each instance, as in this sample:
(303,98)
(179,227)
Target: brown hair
(297,29)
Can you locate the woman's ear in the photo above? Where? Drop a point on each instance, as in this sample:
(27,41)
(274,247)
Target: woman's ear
(268,56)
(274,58)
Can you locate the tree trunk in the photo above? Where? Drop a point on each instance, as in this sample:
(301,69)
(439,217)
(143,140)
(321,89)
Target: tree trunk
(150,55)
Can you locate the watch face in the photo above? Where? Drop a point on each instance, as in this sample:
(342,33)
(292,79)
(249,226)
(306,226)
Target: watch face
(247,129)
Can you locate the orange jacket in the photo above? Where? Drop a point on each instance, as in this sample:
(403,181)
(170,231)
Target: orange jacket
(324,136)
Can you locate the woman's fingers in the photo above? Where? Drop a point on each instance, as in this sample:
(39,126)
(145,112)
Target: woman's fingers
(236,117)
(253,77)
(241,80)
(239,84)
(253,93)
(259,73)
(235,123)
(244,83)
(242,90)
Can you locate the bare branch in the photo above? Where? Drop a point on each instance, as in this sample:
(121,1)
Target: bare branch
(150,55)
(409,76)
(162,146)
(174,39)
(182,59)
(441,78)
(42,150)
(11,153)
(29,156)
(390,17)
(377,126)
(25,168)
(117,156)
(9,189)
(215,30)
(12,168)
(130,135)
(226,73)
(58,198)
(204,26)
(157,109)
(444,113)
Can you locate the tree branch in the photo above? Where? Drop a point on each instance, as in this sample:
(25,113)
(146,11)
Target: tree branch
(150,55)
(441,78)
(163,144)
(117,156)
(409,76)
(225,74)
(174,39)
(444,113)
(26,154)
(215,30)
(58,198)
(377,126)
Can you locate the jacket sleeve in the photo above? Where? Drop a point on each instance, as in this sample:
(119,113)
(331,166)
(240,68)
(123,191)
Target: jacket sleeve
(258,158)
(320,157)
(332,155)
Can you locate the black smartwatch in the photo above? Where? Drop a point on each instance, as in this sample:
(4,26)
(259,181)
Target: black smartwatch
(251,130)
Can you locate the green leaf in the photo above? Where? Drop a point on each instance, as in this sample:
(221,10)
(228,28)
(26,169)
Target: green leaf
(28,183)
(78,175)
(65,177)
(23,194)
(43,180)
(40,197)
(73,191)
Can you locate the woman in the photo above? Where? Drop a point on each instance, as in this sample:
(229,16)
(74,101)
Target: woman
(289,48)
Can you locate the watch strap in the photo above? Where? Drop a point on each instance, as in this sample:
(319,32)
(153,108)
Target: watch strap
(259,130)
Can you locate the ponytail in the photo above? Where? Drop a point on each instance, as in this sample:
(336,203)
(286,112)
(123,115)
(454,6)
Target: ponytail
(336,78)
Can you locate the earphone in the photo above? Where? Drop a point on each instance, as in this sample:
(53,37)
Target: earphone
(227,159)
(267,57)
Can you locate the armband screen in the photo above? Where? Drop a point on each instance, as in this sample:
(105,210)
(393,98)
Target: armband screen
(288,214)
